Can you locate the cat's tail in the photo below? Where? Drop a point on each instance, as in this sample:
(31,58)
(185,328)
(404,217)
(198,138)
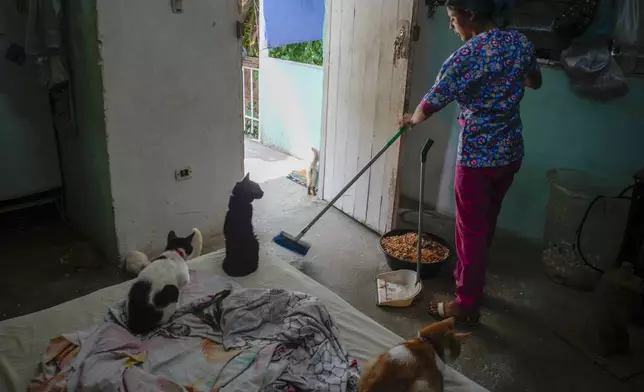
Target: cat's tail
(134,262)
(316,155)
(197,243)
(8,377)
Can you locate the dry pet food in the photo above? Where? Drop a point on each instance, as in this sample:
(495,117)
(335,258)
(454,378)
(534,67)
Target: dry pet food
(403,247)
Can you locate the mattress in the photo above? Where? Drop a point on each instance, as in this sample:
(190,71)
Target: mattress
(23,339)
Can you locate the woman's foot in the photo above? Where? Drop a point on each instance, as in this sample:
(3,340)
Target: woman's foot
(442,310)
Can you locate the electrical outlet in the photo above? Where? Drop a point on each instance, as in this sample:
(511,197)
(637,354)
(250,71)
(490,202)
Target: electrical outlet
(183,174)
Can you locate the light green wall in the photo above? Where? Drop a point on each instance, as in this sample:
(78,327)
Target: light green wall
(290,106)
(84,152)
(561,130)
(432,48)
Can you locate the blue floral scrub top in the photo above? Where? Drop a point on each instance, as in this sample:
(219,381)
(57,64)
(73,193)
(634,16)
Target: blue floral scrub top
(486,76)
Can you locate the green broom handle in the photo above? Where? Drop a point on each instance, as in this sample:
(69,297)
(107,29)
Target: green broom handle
(339,195)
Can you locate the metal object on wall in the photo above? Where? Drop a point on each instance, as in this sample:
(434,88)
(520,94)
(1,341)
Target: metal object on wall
(401,44)
(537,21)
(576,19)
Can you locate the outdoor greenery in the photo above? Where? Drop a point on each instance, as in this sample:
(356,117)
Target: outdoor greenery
(250,40)
(306,52)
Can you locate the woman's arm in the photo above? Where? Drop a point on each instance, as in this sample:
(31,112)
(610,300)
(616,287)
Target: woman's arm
(419,115)
(534,79)
(451,81)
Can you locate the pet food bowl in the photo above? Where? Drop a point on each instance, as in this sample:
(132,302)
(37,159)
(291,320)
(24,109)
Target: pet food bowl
(427,270)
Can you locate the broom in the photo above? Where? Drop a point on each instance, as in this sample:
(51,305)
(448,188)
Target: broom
(295,243)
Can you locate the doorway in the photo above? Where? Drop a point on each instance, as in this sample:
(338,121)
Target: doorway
(283,81)
(365,75)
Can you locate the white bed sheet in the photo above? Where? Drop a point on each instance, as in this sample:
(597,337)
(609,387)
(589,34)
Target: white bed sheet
(24,339)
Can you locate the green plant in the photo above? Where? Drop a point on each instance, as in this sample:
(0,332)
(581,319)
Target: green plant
(250,14)
(306,52)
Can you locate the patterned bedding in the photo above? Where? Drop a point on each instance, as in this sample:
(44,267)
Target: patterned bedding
(222,335)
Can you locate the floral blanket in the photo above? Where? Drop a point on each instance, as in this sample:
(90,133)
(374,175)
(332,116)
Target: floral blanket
(236,340)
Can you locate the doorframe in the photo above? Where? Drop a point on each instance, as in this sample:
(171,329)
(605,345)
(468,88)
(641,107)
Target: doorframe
(325,83)
(410,69)
(326,50)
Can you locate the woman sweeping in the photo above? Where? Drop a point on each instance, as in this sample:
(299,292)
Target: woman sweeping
(487,76)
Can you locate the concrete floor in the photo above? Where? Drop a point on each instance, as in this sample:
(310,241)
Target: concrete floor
(514,349)
(45,263)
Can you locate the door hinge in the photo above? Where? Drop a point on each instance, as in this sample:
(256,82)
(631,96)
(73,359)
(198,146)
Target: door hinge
(415,33)
(240,29)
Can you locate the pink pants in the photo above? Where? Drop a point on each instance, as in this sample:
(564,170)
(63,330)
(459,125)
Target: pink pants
(479,194)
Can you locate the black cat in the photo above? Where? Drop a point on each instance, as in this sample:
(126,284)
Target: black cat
(242,247)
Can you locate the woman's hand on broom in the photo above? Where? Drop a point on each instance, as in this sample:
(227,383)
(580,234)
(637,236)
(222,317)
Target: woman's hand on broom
(406,121)
(410,120)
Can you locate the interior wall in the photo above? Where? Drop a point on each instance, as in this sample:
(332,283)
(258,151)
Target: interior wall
(560,130)
(28,154)
(84,148)
(172,100)
(432,48)
(290,105)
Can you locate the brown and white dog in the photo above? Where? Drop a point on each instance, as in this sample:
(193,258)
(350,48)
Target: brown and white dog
(412,366)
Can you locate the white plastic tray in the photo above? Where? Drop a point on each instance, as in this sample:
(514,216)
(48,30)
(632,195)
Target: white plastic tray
(397,288)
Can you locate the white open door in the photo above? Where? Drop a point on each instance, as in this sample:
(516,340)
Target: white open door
(368,47)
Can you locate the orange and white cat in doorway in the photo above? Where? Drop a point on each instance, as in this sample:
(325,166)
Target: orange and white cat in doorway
(312,173)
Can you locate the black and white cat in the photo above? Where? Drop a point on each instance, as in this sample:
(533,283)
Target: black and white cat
(242,247)
(154,296)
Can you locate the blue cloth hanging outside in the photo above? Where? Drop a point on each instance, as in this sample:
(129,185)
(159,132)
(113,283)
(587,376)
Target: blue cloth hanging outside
(293,21)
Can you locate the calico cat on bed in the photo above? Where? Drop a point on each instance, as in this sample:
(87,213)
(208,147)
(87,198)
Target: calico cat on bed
(154,296)
(412,366)
(242,247)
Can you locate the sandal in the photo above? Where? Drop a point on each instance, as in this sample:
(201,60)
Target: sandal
(470,320)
